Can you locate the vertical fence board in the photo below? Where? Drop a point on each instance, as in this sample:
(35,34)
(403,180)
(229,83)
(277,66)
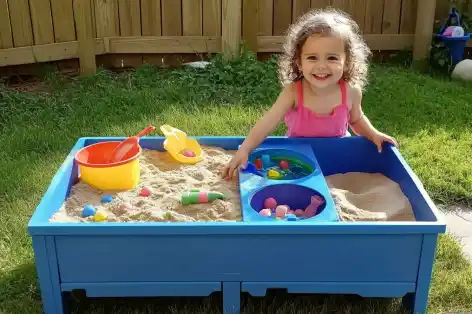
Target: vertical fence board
(320,4)
(151,26)
(6,40)
(151,17)
(130,17)
(250,18)
(391,17)
(171,17)
(20,19)
(442,10)
(358,9)
(408,16)
(63,20)
(192,17)
(300,7)
(107,25)
(266,17)
(83,21)
(341,5)
(130,25)
(211,17)
(231,28)
(282,16)
(41,18)
(105,18)
(423,30)
(373,17)
(93,5)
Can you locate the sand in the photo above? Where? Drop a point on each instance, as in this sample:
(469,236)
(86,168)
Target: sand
(166,179)
(376,199)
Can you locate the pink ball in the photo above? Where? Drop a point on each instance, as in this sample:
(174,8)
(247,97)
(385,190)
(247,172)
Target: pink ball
(188,153)
(126,206)
(290,211)
(270,203)
(281,211)
(284,164)
(265,212)
(299,212)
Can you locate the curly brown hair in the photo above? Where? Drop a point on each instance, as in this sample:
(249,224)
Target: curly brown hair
(325,22)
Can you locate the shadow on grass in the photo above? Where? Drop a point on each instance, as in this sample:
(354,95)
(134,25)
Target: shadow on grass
(273,302)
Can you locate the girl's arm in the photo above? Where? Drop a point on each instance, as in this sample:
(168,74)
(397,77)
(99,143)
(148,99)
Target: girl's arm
(361,125)
(270,120)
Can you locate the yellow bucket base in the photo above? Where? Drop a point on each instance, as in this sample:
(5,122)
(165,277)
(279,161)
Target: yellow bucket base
(118,178)
(177,141)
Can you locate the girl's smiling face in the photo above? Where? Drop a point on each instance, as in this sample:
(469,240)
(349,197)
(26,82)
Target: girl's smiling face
(323,60)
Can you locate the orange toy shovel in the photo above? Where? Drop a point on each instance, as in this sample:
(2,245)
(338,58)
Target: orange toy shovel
(131,143)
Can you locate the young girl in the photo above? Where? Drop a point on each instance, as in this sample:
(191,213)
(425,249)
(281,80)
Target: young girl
(323,72)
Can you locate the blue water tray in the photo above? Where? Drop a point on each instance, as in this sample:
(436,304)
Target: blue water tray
(295,192)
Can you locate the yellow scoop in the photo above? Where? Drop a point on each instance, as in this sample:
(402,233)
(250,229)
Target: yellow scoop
(183,149)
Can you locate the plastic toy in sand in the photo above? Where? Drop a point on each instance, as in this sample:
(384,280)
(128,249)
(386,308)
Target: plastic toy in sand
(111,165)
(122,151)
(182,148)
(197,196)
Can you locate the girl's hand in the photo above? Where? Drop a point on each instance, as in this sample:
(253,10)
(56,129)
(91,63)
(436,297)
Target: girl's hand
(379,138)
(238,160)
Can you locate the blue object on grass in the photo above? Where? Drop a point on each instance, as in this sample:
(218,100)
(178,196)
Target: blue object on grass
(389,259)
(456,45)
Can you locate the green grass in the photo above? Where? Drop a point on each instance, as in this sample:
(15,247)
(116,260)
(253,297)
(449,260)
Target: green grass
(431,119)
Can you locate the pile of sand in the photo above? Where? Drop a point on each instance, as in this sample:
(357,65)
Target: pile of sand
(166,179)
(369,197)
(376,199)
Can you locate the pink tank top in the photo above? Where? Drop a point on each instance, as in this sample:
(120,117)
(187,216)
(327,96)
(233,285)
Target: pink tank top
(303,122)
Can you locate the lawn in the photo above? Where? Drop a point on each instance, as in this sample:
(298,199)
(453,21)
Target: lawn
(430,117)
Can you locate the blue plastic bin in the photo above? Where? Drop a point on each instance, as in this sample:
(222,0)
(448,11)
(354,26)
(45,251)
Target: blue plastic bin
(455,45)
(371,259)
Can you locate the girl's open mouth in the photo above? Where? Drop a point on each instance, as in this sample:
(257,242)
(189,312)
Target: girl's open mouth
(321,77)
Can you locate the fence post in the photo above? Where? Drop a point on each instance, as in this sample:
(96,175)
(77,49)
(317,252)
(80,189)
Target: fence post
(250,24)
(424,30)
(83,22)
(231,28)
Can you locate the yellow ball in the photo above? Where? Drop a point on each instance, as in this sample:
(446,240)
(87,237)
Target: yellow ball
(100,216)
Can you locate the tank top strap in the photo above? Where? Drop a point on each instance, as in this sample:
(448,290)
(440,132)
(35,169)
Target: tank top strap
(342,85)
(299,85)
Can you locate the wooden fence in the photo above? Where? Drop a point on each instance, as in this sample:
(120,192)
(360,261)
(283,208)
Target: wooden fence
(33,31)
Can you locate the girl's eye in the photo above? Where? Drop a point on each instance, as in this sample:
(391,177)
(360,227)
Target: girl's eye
(332,58)
(312,58)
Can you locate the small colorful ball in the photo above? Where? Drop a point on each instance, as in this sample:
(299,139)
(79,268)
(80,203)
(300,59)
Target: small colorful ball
(289,212)
(88,210)
(284,164)
(281,211)
(145,191)
(100,216)
(299,212)
(127,206)
(265,212)
(270,203)
(188,153)
(107,198)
